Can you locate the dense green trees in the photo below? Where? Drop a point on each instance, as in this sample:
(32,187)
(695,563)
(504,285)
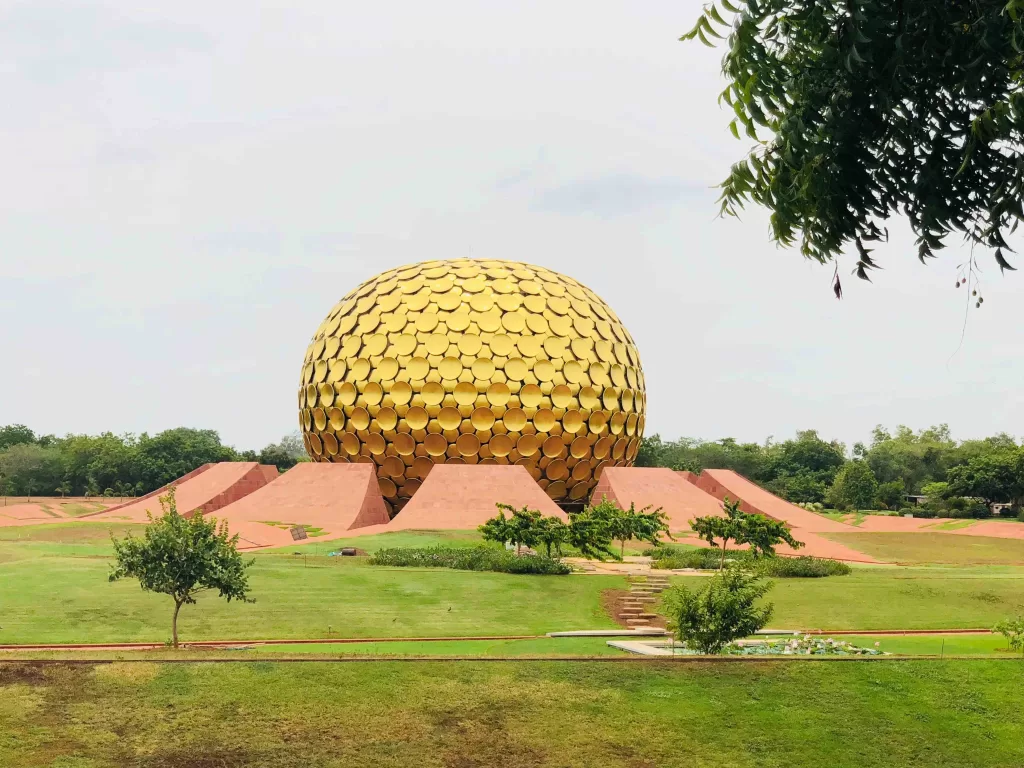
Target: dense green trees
(855,487)
(806,469)
(118,464)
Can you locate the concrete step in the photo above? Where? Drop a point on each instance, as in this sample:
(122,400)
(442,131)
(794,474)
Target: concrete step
(637,622)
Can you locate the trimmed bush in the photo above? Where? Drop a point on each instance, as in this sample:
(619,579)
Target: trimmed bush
(801,567)
(469,559)
(782,567)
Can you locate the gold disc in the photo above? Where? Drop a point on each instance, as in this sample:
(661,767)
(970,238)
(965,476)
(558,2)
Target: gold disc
(449,418)
(514,419)
(360,418)
(482,418)
(417,417)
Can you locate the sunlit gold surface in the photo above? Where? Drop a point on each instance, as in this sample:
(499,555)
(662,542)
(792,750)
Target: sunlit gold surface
(466,361)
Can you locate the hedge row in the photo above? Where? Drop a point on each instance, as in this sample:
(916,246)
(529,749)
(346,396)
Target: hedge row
(469,559)
(782,567)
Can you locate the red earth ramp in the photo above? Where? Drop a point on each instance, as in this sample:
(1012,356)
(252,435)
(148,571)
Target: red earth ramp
(216,486)
(656,487)
(153,494)
(464,497)
(335,498)
(756,500)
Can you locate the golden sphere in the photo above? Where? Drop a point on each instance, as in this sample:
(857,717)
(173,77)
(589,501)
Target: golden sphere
(471,361)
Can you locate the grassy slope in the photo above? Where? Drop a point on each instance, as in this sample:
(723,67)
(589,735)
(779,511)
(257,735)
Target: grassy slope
(898,598)
(53,588)
(928,547)
(514,715)
(52,595)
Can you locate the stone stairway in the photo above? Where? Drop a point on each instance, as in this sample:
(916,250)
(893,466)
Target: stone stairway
(642,596)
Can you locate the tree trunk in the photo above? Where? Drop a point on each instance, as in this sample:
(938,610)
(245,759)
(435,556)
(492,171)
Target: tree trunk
(721,564)
(174,624)
(622,548)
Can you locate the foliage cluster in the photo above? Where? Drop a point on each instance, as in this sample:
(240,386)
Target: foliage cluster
(119,465)
(866,109)
(182,557)
(960,478)
(723,609)
(670,558)
(590,531)
(1013,631)
(760,533)
(468,559)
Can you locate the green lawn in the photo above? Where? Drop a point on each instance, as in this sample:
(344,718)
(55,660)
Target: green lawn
(53,588)
(51,592)
(936,645)
(548,646)
(897,598)
(377,541)
(931,547)
(521,715)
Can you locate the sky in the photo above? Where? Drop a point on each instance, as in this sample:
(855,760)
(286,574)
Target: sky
(188,188)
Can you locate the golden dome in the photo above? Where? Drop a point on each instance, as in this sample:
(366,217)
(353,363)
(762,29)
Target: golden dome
(473,361)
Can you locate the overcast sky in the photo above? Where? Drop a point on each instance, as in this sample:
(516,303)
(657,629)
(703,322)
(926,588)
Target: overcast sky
(188,188)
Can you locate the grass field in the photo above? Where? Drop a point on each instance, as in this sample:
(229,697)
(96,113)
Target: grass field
(303,596)
(519,715)
(897,598)
(53,588)
(928,547)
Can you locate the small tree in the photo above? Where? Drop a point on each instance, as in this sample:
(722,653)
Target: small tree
(522,528)
(724,529)
(183,557)
(1013,631)
(628,524)
(590,532)
(63,488)
(764,534)
(722,610)
(552,533)
(498,529)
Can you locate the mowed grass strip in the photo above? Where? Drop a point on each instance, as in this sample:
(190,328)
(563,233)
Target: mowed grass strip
(527,714)
(895,598)
(48,597)
(933,547)
(54,589)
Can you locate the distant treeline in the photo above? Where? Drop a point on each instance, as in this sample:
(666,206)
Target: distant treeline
(119,465)
(968,477)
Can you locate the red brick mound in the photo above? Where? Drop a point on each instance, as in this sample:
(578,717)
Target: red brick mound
(656,487)
(463,497)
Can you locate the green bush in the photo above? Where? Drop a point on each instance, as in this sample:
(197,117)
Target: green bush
(801,567)
(669,558)
(469,559)
(721,610)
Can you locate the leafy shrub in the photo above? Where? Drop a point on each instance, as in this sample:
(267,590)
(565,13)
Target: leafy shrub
(720,611)
(670,558)
(1013,631)
(801,567)
(468,559)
